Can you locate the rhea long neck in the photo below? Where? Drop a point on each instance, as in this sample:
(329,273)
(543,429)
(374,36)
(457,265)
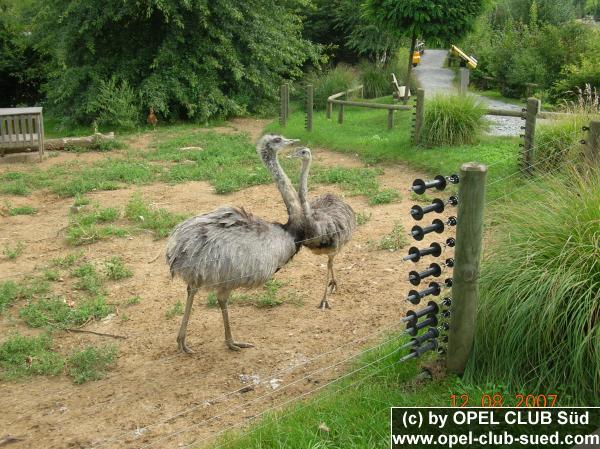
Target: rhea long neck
(303,187)
(284,185)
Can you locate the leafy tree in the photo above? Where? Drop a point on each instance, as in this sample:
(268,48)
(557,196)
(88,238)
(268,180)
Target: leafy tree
(186,59)
(22,66)
(437,20)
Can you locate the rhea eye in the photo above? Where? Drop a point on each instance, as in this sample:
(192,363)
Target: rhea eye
(277,139)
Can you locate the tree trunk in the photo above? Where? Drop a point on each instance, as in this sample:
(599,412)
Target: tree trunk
(413,45)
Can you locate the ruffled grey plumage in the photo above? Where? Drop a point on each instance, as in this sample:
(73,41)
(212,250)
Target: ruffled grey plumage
(230,248)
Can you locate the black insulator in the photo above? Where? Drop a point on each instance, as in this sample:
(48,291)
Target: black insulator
(432,308)
(445,313)
(415,254)
(582,142)
(449,262)
(444,338)
(418,212)
(585,128)
(521,145)
(413,328)
(431,345)
(453,200)
(415,277)
(453,179)
(523,118)
(419,233)
(452,221)
(415,296)
(451,242)
(444,327)
(441,350)
(447,301)
(523,127)
(419,186)
(432,332)
(524,110)
(448,282)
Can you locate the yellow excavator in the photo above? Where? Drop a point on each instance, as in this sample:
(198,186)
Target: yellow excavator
(469,61)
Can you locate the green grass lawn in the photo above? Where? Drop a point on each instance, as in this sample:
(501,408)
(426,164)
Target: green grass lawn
(364,132)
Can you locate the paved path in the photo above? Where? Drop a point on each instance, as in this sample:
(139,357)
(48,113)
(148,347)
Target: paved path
(435,78)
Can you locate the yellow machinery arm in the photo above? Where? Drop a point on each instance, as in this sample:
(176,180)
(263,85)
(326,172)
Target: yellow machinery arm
(471,62)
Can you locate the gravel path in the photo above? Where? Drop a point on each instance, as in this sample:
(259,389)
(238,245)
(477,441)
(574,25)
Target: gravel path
(435,78)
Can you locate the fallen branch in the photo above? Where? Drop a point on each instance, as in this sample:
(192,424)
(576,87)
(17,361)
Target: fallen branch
(84,142)
(83,331)
(7,439)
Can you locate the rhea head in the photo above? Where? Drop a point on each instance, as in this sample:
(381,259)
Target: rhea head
(270,144)
(302,153)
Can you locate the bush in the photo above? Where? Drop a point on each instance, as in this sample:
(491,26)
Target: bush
(377,78)
(330,82)
(22,356)
(115,105)
(452,120)
(539,314)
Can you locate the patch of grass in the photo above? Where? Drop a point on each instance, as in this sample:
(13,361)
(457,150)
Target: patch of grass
(159,221)
(453,120)
(91,363)
(22,210)
(363,218)
(395,240)
(81,200)
(56,313)
(89,279)
(9,292)
(99,145)
(91,226)
(269,296)
(22,356)
(133,300)
(66,261)
(177,309)
(51,275)
(31,288)
(385,196)
(12,252)
(115,269)
(548,274)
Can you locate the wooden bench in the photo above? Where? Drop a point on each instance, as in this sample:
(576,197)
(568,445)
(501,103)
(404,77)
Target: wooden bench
(398,90)
(21,129)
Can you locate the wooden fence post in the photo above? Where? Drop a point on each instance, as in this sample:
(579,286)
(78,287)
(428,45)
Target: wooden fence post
(309,107)
(341,113)
(467,256)
(419,115)
(282,106)
(592,147)
(390,119)
(287,101)
(533,108)
(464,80)
(329,108)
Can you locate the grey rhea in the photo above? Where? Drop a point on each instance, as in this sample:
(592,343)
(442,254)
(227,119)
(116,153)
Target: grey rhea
(230,248)
(329,225)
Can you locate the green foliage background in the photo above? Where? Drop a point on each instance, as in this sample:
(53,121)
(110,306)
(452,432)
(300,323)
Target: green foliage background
(187,59)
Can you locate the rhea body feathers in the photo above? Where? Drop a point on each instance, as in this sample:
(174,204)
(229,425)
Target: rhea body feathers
(230,248)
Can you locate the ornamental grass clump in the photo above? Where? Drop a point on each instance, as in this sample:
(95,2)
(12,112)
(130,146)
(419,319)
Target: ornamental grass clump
(538,325)
(452,120)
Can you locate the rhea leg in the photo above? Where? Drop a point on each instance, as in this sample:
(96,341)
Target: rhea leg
(330,284)
(184,322)
(222,297)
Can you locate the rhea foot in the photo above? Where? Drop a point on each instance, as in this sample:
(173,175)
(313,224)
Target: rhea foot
(238,345)
(324,304)
(183,347)
(332,285)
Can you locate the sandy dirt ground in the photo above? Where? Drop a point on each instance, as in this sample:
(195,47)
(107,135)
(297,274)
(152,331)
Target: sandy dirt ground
(155,397)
